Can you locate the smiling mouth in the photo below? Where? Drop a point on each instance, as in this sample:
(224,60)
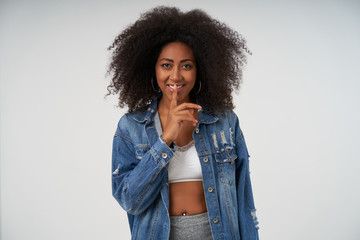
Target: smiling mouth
(177,86)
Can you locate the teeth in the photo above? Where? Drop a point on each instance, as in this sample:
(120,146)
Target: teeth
(178,86)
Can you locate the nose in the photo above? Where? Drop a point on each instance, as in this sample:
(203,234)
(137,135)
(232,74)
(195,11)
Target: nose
(175,74)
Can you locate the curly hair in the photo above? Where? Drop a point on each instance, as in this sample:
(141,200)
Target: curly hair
(220,54)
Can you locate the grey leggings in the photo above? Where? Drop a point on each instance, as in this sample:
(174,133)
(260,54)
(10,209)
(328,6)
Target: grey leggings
(193,227)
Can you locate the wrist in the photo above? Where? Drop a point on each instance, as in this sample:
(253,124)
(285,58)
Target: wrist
(167,141)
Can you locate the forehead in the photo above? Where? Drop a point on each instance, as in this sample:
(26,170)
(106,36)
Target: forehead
(176,50)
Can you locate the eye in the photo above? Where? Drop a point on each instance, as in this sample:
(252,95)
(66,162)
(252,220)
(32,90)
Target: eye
(187,66)
(165,65)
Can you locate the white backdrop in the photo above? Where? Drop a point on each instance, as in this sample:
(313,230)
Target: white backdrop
(298,108)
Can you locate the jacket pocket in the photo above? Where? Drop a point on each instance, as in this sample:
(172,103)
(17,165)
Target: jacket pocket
(226,154)
(225,159)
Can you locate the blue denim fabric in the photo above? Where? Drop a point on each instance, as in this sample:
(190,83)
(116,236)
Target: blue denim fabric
(140,177)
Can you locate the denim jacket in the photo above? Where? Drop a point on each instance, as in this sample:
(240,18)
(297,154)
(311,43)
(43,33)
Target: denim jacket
(140,182)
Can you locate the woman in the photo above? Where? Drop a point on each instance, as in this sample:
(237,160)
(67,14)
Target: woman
(180,163)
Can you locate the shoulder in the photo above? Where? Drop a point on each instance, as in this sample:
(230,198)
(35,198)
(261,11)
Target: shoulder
(132,124)
(130,120)
(222,123)
(228,117)
(231,120)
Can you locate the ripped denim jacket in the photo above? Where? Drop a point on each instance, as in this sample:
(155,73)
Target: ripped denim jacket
(140,178)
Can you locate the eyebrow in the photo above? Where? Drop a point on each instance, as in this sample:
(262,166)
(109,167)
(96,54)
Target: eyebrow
(170,60)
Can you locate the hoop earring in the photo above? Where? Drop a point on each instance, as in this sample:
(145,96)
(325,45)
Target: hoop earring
(152,84)
(198,91)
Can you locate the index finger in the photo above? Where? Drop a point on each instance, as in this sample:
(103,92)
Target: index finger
(173,102)
(189,106)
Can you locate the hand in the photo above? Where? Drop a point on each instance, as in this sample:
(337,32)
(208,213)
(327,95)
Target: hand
(176,117)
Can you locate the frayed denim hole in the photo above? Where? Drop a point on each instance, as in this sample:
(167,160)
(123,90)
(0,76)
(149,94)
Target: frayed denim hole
(215,141)
(126,187)
(141,150)
(231,137)
(223,138)
(253,215)
(116,172)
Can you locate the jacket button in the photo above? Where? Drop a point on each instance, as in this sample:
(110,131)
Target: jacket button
(197,130)
(210,189)
(205,159)
(215,220)
(164,155)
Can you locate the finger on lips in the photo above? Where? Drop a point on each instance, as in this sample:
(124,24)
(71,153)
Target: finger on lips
(174,96)
(184,109)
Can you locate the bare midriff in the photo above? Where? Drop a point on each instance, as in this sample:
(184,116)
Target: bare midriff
(187,197)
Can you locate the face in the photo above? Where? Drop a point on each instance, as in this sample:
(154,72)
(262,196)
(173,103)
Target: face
(176,65)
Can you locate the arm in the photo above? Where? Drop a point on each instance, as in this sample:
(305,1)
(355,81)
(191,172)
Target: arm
(246,208)
(137,183)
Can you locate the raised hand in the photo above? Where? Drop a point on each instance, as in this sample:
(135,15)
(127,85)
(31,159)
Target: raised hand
(176,117)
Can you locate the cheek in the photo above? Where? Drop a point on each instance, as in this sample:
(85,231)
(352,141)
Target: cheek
(159,76)
(192,76)
(160,79)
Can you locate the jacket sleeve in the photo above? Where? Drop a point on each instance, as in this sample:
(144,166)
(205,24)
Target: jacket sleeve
(246,208)
(137,183)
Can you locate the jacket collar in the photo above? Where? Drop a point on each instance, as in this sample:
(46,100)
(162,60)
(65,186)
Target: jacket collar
(148,115)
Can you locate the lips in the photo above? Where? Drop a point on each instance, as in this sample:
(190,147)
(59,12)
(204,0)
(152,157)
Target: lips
(172,86)
(177,86)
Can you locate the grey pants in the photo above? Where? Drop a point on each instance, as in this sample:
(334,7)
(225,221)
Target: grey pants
(193,227)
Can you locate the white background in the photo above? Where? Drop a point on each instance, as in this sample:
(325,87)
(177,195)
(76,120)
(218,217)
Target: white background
(298,108)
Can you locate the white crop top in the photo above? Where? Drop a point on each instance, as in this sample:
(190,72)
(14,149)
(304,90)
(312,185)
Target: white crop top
(184,166)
